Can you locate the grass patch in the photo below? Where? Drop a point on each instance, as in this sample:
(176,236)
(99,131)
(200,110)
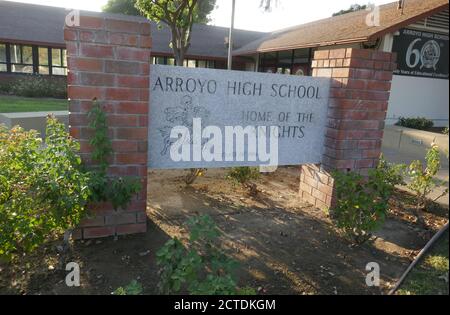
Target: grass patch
(430,277)
(15,104)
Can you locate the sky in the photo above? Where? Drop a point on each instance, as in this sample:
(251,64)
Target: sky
(248,14)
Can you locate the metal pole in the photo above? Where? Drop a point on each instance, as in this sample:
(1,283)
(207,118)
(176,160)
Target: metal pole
(230,37)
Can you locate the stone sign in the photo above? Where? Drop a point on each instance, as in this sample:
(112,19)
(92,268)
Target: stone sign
(208,118)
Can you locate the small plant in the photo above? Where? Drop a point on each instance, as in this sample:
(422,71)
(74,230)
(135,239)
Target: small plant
(202,267)
(193,174)
(134,288)
(423,181)
(118,190)
(244,176)
(362,203)
(445,131)
(420,123)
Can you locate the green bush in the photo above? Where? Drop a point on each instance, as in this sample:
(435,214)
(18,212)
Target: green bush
(244,176)
(423,179)
(445,131)
(5,87)
(420,123)
(202,267)
(38,86)
(362,202)
(43,189)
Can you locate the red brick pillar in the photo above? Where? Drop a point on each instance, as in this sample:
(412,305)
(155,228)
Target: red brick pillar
(108,58)
(361,82)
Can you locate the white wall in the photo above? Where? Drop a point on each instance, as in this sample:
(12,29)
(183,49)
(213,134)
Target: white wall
(419,97)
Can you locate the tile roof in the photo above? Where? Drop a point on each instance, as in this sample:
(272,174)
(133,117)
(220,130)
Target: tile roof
(37,24)
(347,28)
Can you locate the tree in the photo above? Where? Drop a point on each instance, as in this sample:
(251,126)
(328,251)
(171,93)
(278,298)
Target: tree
(121,6)
(268,4)
(353,8)
(179,16)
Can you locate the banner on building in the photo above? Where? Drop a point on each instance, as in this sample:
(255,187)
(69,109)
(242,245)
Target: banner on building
(421,54)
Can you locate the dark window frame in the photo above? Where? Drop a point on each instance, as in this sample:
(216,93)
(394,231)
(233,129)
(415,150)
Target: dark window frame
(7,58)
(35,59)
(21,63)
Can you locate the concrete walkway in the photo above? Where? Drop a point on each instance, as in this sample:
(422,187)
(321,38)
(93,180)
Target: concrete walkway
(404,145)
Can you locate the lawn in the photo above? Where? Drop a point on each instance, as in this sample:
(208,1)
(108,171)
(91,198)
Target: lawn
(13,104)
(431,275)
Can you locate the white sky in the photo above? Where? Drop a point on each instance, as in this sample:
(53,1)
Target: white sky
(248,14)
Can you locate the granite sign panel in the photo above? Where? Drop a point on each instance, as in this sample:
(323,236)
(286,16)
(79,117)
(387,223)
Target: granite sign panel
(209,118)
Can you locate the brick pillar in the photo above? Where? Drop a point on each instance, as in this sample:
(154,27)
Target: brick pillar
(361,82)
(108,58)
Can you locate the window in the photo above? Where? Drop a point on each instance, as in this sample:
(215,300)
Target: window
(21,58)
(32,59)
(3,64)
(190,63)
(44,61)
(59,66)
(159,60)
(171,61)
(202,64)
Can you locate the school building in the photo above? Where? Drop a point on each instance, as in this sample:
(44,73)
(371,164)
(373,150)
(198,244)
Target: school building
(32,42)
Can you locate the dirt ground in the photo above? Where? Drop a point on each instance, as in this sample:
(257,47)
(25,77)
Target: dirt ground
(284,246)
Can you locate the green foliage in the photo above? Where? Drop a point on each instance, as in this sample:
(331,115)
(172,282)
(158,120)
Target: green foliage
(38,86)
(100,142)
(422,177)
(394,174)
(5,87)
(445,131)
(179,16)
(362,203)
(202,267)
(353,8)
(420,123)
(246,291)
(43,189)
(118,190)
(134,288)
(121,7)
(243,175)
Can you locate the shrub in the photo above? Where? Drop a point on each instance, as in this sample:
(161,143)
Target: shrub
(5,87)
(39,86)
(43,189)
(118,190)
(202,267)
(243,176)
(362,203)
(420,123)
(422,178)
(445,131)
